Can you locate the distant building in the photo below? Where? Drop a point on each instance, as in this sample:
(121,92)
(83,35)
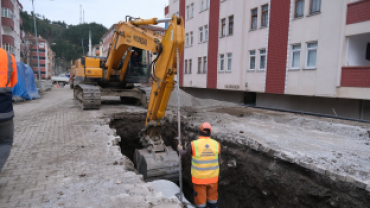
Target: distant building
(106,39)
(10,35)
(302,55)
(96,50)
(45,55)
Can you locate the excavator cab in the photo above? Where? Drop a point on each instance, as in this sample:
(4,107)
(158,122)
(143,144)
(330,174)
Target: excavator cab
(138,69)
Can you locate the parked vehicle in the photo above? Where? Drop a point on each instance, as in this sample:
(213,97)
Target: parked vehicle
(61,79)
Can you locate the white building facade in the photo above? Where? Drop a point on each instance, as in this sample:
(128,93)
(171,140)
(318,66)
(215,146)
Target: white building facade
(10,27)
(301,55)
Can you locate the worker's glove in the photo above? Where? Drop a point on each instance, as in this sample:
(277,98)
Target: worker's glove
(179,147)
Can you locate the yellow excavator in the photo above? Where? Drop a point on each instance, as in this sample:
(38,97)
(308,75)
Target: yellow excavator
(129,62)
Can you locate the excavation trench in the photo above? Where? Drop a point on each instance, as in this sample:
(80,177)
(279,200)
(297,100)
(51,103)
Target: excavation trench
(248,177)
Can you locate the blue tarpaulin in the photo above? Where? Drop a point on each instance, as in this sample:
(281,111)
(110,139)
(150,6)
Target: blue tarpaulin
(26,86)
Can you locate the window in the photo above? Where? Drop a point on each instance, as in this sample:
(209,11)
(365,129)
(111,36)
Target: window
(192,10)
(186,66)
(40,58)
(299,8)
(9,48)
(231,25)
(204,64)
(252,60)
(206,33)
(187,39)
(200,34)
(265,15)
(254,19)
(208,4)
(311,55)
(187,12)
(201,5)
(5,12)
(199,65)
(191,38)
(315,6)
(296,56)
(263,59)
(221,62)
(190,63)
(229,59)
(223,27)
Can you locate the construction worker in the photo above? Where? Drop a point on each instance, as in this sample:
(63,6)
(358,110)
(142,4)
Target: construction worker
(8,79)
(205,167)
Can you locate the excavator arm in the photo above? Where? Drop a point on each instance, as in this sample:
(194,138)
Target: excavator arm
(127,35)
(158,160)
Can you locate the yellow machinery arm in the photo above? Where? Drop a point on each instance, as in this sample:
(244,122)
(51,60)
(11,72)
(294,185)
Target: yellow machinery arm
(127,35)
(159,160)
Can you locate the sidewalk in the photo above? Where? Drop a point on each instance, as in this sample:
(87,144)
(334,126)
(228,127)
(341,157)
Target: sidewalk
(65,157)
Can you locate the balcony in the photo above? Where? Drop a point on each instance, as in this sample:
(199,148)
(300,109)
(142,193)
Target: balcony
(35,69)
(358,11)
(34,61)
(356,73)
(34,53)
(7,23)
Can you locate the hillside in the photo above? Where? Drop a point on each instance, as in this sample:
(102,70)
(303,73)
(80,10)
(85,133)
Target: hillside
(67,37)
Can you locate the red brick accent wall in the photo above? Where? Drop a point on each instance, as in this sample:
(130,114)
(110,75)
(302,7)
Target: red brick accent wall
(8,39)
(166,10)
(358,12)
(7,22)
(355,76)
(277,47)
(181,71)
(7,4)
(214,16)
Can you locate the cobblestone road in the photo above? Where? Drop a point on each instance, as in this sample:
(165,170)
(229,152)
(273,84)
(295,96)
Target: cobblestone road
(65,157)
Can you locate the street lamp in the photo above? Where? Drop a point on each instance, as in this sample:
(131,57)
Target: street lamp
(37,44)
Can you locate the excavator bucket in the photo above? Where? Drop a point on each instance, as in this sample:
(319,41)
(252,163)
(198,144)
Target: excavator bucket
(157,165)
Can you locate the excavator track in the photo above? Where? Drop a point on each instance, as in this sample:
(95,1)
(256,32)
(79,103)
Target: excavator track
(88,96)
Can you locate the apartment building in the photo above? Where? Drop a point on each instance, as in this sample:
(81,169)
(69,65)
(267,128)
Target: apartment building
(10,34)
(45,55)
(301,55)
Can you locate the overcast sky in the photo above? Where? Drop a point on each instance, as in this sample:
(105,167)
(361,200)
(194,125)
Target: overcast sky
(106,12)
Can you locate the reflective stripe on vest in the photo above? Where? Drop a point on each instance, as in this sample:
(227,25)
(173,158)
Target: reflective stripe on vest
(5,89)
(7,115)
(205,168)
(10,68)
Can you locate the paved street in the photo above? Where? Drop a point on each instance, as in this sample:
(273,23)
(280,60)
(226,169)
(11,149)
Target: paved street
(65,157)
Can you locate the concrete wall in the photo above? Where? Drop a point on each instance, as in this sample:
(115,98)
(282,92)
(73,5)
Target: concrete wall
(349,108)
(223,95)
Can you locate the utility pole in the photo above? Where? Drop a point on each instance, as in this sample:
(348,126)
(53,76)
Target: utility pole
(83,51)
(37,44)
(80,14)
(90,50)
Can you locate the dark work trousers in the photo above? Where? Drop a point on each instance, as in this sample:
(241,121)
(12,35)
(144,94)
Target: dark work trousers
(6,140)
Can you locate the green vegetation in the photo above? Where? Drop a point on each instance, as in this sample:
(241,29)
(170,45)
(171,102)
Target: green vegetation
(68,38)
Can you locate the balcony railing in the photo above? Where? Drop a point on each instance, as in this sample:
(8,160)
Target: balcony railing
(355,76)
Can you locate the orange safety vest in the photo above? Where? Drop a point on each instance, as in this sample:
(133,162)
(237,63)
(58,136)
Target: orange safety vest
(8,79)
(204,165)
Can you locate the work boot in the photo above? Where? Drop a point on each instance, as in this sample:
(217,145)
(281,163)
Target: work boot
(211,205)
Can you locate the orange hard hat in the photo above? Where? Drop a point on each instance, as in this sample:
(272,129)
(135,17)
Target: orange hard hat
(205,126)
